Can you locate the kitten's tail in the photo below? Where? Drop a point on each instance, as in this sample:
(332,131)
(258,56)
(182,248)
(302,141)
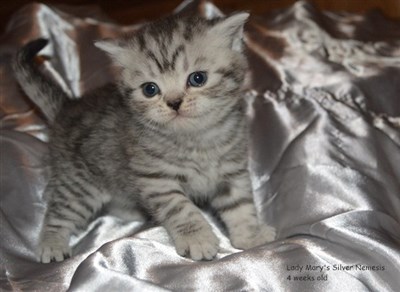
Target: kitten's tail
(43,91)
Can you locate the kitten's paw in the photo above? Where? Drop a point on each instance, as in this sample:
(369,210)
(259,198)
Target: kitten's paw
(248,237)
(267,234)
(200,245)
(54,251)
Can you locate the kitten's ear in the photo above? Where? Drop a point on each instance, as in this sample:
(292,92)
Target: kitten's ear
(109,46)
(113,48)
(230,30)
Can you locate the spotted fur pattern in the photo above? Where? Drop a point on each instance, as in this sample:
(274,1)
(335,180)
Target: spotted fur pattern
(119,148)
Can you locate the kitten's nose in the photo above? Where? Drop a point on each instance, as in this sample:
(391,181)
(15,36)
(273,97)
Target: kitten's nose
(174,104)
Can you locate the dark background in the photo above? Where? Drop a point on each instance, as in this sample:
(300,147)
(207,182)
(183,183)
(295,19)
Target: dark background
(131,11)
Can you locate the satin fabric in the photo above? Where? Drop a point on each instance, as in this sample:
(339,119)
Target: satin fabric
(324,109)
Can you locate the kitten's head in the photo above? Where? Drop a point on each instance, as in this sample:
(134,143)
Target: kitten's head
(182,73)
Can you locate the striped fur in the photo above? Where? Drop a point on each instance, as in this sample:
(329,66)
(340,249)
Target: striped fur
(119,148)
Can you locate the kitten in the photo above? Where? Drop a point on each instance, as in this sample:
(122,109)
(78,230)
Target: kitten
(171,132)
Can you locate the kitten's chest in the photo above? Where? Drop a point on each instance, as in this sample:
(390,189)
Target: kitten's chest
(202,176)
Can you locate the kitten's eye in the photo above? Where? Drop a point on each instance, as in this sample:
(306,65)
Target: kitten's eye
(150,89)
(197,79)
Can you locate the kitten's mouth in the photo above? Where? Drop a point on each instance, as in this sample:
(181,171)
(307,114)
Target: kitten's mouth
(184,115)
(178,114)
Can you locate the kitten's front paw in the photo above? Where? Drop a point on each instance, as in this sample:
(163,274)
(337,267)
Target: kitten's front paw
(267,234)
(200,245)
(54,250)
(248,237)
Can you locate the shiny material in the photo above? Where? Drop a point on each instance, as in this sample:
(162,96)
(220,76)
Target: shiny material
(325,161)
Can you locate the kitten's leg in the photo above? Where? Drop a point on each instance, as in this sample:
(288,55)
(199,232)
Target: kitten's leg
(72,201)
(235,206)
(184,222)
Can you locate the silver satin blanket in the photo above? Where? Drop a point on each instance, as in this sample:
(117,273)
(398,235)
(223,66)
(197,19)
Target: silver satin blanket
(324,108)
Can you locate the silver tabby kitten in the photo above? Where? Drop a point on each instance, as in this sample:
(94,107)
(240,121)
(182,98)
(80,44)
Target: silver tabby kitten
(171,133)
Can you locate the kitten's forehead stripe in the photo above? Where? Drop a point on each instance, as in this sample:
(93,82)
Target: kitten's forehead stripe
(156,39)
(166,63)
(152,57)
(164,30)
(188,33)
(142,42)
(175,55)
